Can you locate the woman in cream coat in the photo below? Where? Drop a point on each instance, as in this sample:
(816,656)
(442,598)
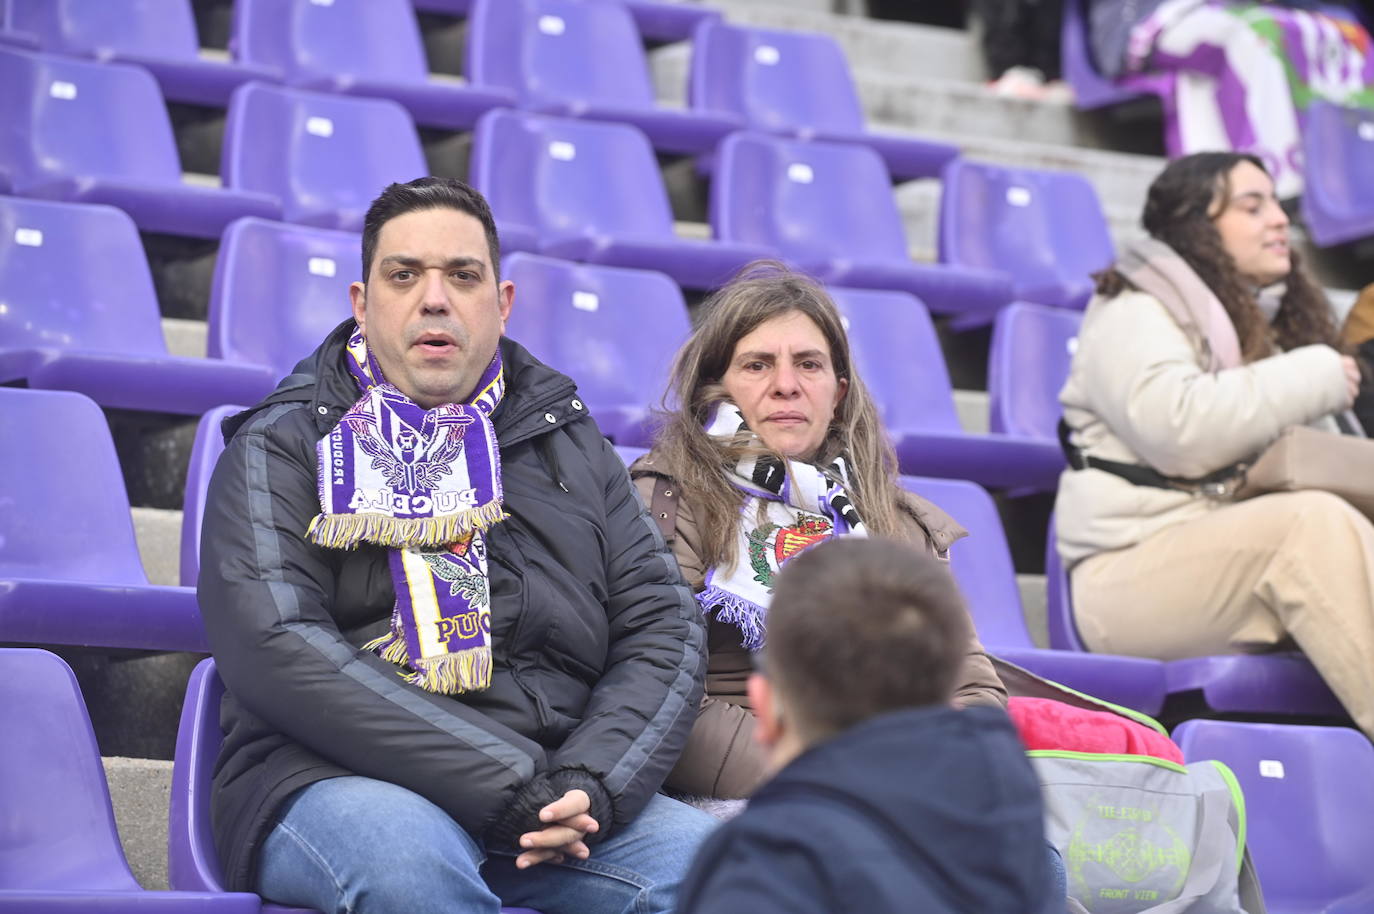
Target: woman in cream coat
(1201,346)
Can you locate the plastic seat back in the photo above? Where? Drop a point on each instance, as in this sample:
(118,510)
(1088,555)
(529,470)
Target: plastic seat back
(1338,199)
(108,303)
(205,451)
(66,511)
(612,330)
(57,830)
(569,53)
(1028,363)
(67,118)
(166,29)
(1045,228)
(372,39)
(981,562)
(325,156)
(1309,797)
(897,353)
(278,290)
(570,178)
(777,80)
(812,201)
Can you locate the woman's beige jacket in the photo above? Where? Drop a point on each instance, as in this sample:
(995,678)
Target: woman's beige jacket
(1138,392)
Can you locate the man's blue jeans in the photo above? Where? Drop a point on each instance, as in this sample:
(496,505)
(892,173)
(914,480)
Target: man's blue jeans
(362,846)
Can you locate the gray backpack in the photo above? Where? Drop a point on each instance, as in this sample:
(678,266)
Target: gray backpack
(1142,834)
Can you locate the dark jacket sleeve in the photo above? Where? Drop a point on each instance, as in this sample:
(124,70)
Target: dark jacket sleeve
(743,869)
(265,593)
(642,710)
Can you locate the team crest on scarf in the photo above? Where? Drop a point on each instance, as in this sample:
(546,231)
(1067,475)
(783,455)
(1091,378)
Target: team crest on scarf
(791,506)
(426,484)
(771,545)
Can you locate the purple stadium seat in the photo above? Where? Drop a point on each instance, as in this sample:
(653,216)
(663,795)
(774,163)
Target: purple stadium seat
(593,192)
(1028,363)
(191,860)
(160,37)
(99,133)
(359,47)
(59,847)
(1090,88)
(278,290)
(1309,799)
(581,59)
(829,208)
(1338,147)
(69,567)
(982,565)
(205,451)
(1275,683)
(898,355)
(326,156)
(796,84)
(590,323)
(663,22)
(96,329)
(1045,228)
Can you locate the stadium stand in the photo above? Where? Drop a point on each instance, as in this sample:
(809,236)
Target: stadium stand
(593,192)
(588,322)
(1044,228)
(323,155)
(982,565)
(1338,202)
(1309,795)
(89,124)
(67,855)
(579,59)
(370,49)
(92,132)
(898,353)
(162,39)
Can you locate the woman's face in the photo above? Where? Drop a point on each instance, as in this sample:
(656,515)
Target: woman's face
(1253,227)
(783,381)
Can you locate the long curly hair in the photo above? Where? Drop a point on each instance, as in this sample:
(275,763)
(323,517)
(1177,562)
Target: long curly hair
(762,291)
(1179,211)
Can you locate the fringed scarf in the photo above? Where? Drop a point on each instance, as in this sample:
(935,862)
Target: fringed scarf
(425,484)
(791,506)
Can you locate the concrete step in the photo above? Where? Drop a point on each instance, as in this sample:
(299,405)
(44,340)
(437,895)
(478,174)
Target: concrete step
(909,48)
(1035,603)
(140,791)
(184,337)
(922,102)
(158,532)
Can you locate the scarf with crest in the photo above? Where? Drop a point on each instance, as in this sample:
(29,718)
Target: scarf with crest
(791,505)
(425,484)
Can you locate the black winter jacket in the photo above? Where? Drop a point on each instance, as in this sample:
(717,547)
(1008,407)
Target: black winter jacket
(598,647)
(931,810)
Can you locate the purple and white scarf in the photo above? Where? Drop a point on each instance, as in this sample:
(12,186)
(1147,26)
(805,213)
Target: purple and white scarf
(425,484)
(791,506)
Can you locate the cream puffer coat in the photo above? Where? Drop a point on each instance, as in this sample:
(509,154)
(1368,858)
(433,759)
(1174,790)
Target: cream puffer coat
(1139,392)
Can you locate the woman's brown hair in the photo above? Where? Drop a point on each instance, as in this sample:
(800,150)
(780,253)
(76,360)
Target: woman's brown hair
(702,465)
(1179,210)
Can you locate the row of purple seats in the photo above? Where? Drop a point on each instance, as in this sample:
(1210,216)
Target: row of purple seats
(81,314)
(70,571)
(657,20)
(1309,801)
(61,849)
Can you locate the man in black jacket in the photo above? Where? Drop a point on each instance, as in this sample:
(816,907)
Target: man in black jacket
(459,661)
(888,799)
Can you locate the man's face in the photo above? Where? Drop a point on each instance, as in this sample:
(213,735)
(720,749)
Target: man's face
(431,309)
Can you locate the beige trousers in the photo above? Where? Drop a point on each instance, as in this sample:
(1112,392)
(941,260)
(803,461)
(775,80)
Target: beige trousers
(1245,578)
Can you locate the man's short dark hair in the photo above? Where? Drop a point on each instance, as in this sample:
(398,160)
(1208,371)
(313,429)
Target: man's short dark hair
(859,627)
(422,194)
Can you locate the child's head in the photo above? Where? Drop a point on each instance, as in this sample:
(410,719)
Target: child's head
(857,627)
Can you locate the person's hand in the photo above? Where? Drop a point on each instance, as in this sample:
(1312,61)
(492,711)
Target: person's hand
(567,823)
(1352,376)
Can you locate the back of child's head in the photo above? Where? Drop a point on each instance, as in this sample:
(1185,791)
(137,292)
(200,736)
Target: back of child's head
(859,627)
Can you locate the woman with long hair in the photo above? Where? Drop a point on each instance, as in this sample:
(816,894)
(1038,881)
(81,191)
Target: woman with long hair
(771,443)
(1204,343)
